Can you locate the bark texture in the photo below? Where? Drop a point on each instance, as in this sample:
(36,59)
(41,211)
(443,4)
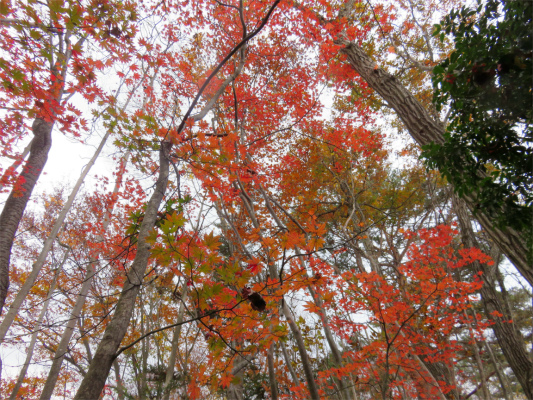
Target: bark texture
(425,130)
(509,337)
(94,382)
(62,348)
(19,196)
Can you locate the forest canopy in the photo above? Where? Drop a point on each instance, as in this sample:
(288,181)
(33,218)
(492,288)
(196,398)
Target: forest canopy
(301,200)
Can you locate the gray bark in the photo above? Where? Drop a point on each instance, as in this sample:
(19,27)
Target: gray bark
(479,362)
(289,365)
(120,386)
(33,340)
(425,130)
(175,342)
(41,259)
(18,198)
(272,373)
(306,365)
(509,337)
(62,348)
(94,381)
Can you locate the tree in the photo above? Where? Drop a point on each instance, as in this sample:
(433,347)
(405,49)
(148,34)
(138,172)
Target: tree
(44,68)
(265,241)
(487,83)
(425,130)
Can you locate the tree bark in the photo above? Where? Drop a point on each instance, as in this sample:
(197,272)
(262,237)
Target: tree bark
(94,382)
(175,342)
(41,259)
(62,348)
(294,377)
(120,386)
(509,337)
(33,340)
(272,373)
(19,196)
(306,365)
(425,130)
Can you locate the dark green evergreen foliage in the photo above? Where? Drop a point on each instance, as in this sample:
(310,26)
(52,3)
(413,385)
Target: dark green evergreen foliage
(254,385)
(487,82)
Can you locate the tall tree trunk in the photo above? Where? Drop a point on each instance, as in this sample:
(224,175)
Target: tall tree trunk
(120,385)
(289,365)
(94,382)
(479,362)
(62,348)
(507,395)
(272,373)
(144,350)
(41,259)
(19,196)
(33,340)
(509,337)
(343,382)
(306,365)
(175,342)
(425,130)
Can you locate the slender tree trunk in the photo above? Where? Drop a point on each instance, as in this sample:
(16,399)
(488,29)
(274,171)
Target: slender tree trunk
(272,373)
(62,348)
(120,386)
(481,369)
(289,365)
(344,393)
(41,259)
(425,130)
(94,382)
(306,365)
(144,350)
(498,371)
(33,340)
(175,342)
(19,196)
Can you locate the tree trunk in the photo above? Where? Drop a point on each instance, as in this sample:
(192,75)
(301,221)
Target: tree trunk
(344,393)
(175,342)
(33,340)
(120,386)
(425,130)
(306,365)
(62,348)
(272,373)
(144,350)
(509,337)
(41,259)
(94,382)
(19,196)
(479,362)
(289,365)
